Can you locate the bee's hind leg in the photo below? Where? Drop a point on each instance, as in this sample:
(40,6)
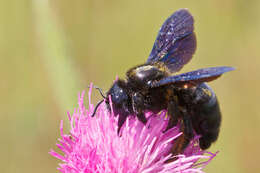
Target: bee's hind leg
(173,113)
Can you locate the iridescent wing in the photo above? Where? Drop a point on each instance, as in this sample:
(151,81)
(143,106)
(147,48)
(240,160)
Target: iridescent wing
(197,76)
(176,41)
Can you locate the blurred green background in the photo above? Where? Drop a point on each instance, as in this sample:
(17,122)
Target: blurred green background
(50,51)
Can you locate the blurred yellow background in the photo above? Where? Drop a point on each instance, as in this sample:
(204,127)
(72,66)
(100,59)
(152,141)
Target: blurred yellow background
(50,51)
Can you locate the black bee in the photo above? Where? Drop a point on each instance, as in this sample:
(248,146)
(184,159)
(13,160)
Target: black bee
(153,87)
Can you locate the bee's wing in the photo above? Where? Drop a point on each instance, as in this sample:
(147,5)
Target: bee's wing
(176,41)
(197,76)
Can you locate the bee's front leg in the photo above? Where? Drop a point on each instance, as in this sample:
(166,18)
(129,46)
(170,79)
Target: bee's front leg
(138,107)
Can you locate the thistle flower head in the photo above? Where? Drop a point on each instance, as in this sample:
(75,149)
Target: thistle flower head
(93,145)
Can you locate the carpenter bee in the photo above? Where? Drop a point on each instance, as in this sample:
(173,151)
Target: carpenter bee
(153,87)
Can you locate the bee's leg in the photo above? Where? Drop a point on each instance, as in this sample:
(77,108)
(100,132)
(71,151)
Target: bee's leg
(141,117)
(123,112)
(138,107)
(121,121)
(183,141)
(173,113)
(188,130)
(178,147)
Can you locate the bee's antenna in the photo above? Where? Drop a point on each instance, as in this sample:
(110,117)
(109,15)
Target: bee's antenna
(100,91)
(95,110)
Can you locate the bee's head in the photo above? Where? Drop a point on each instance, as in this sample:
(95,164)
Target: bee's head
(119,96)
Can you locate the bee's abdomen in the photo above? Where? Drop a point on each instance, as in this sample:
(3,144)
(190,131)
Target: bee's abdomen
(206,116)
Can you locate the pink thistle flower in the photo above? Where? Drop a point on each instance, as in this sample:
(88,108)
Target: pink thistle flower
(93,145)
